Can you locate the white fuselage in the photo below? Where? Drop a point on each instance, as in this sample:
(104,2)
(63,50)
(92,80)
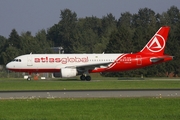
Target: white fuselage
(54,62)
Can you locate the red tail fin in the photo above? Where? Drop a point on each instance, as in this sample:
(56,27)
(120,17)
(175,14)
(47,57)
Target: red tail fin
(157,42)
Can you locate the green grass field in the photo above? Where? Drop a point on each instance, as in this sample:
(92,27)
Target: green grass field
(91,109)
(74,84)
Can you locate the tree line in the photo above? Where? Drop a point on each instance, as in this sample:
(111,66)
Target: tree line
(128,33)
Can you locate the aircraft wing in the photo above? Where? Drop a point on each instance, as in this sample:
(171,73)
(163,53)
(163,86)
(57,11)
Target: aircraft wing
(90,66)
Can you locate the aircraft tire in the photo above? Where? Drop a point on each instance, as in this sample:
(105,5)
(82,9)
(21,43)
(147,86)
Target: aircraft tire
(88,78)
(82,77)
(29,78)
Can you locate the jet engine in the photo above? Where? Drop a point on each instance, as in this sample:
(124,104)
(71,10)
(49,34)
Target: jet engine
(66,73)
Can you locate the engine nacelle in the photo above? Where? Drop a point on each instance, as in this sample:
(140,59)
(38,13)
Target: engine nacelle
(57,75)
(68,72)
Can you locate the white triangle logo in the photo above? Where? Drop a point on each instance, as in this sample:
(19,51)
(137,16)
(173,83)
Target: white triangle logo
(157,44)
(155,41)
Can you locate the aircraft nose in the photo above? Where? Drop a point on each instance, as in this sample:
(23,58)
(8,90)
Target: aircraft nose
(8,66)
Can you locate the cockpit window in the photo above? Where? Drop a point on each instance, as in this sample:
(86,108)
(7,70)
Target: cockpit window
(16,60)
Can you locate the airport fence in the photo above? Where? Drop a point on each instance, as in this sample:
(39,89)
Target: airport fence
(4,73)
(10,74)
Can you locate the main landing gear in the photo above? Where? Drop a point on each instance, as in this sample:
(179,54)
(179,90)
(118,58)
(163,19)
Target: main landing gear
(83,78)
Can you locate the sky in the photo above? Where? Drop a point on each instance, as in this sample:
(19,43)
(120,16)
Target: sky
(35,15)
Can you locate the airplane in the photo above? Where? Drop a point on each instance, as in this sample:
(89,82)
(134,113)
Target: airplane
(71,65)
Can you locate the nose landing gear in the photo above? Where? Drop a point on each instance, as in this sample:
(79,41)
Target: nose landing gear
(29,77)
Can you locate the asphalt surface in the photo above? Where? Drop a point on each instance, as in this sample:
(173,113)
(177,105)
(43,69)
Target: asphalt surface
(89,93)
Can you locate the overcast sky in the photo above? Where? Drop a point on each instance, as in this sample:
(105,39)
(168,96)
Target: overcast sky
(34,15)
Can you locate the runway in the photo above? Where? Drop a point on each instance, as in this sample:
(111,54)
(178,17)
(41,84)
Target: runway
(89,93)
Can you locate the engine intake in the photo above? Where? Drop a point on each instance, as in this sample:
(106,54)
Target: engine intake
(66,73)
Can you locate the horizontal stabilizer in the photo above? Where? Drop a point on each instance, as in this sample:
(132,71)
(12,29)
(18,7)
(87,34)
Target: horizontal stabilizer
(157,59)
(154,60)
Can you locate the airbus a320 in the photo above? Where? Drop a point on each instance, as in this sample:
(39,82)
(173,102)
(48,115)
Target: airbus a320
(71,65)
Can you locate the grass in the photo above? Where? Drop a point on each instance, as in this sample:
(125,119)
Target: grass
(91,109)
(73,84)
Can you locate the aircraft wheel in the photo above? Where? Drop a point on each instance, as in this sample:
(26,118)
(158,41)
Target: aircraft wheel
(82,77)
(88,78)
(29,78)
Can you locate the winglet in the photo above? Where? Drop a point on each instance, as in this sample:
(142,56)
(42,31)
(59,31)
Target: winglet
(158,42)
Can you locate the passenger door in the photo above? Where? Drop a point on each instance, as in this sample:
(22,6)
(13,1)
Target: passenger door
(29,61)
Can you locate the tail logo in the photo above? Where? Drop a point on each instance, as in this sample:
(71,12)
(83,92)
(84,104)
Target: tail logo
(157,44)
